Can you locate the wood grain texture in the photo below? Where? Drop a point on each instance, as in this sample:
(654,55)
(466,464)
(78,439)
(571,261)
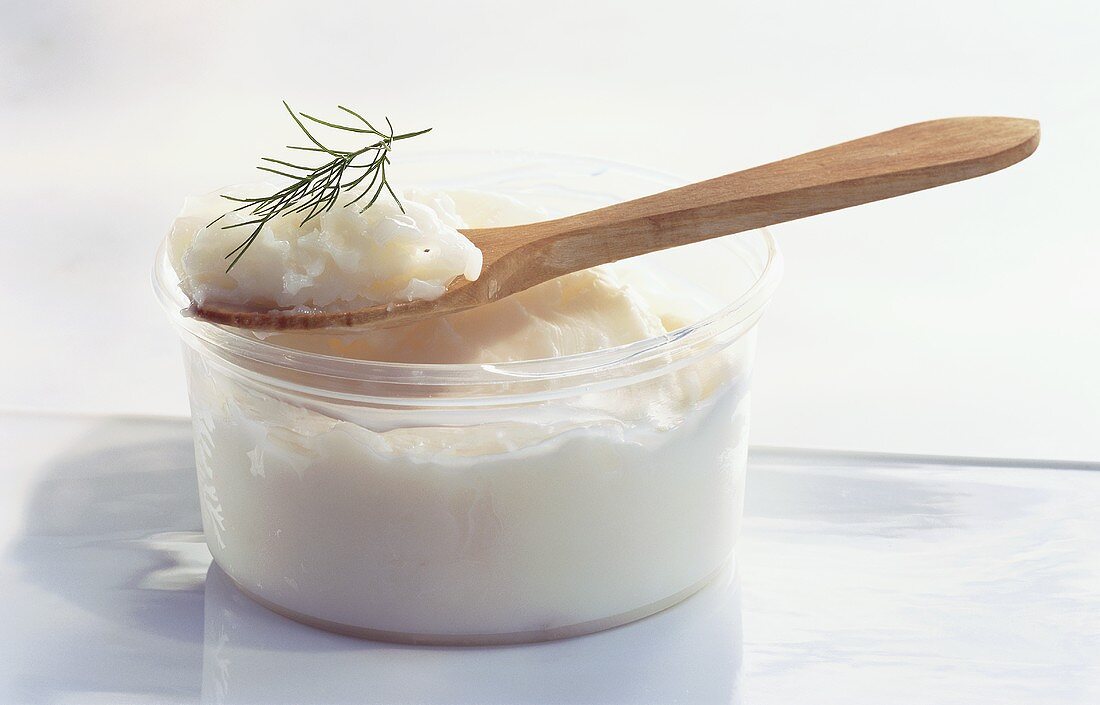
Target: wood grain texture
(884,165)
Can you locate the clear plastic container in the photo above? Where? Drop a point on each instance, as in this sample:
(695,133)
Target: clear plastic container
(478,504)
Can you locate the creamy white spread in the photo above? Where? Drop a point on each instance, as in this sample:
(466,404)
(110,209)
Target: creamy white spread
(589,310)
(343,259)
(521,519)
(346,259)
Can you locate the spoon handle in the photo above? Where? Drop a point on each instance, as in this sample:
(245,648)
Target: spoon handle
(884,165)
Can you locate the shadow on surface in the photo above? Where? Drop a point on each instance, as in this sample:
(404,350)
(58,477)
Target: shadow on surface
(113,529)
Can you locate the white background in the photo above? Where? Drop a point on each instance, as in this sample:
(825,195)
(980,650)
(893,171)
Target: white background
(964,320)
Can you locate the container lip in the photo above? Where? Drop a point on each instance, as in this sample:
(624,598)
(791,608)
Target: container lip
(741,312)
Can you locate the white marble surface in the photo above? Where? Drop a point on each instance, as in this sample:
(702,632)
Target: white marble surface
(860,579)
(959,321)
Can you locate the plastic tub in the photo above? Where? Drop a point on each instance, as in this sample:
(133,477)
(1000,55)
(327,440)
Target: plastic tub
(479,504)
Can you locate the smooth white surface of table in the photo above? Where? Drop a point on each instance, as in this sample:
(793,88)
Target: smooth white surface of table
(964,320)
(860,579)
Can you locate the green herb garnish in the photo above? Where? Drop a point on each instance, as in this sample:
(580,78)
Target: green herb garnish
(316,189)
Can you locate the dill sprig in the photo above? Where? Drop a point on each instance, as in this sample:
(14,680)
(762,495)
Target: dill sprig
(316,189)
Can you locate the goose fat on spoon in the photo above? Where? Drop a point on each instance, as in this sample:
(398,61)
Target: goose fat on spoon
(880,166)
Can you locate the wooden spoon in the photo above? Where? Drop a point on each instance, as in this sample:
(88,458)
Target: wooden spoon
(884,165)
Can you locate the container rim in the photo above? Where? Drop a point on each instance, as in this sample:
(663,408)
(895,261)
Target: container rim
(736,317)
